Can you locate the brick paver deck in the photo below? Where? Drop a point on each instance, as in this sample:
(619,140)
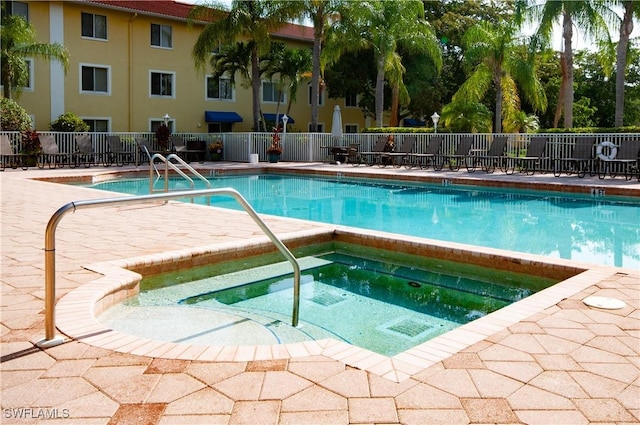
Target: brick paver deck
(565,364)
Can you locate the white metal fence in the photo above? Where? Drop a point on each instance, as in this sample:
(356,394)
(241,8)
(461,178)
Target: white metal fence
(313,147)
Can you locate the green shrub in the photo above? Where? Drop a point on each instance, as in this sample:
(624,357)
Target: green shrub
(69,122)
(13,117)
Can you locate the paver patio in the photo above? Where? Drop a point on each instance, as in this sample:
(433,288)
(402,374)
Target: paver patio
(567,364)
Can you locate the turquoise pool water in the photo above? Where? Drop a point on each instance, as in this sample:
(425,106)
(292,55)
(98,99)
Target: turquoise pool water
(593,229)
(369,302)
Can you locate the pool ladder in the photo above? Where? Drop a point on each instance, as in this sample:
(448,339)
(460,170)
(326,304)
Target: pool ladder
(169,164)
(51,339)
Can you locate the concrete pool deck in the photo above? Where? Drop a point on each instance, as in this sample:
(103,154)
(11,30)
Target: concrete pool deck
(567,363)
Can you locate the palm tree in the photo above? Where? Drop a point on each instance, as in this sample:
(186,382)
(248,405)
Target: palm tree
(18,41)
(291,65)
(589,15)
(496,60)
(252,20)
(381,26)
(320,12)
(626,28)
(466,117)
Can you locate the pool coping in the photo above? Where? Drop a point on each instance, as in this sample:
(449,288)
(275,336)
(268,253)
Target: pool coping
(77,310)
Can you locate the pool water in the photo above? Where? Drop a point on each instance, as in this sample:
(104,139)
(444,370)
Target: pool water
(598,230)
(371,303)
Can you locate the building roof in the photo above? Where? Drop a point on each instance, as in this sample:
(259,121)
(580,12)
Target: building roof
(179,10)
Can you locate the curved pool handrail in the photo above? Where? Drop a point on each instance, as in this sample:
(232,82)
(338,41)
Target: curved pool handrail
(50,338)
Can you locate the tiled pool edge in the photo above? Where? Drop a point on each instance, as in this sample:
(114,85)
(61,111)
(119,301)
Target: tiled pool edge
(76,312)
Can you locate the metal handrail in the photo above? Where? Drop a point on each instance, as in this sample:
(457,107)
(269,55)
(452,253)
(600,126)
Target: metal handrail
(51,340)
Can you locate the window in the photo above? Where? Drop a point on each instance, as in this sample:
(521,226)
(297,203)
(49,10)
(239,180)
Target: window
(162,84)
(270,92)
(94,26)
(29,86)
(97,125)
(351,128)
(94,79)
(161,36)
(155,124)
(220,127)
(351,100)
(219,88)
(18,8)
(320,128)
(320,97)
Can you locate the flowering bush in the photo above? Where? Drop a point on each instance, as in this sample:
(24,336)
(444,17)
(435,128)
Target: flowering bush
(69,122)
(31,142)
(275,147)
(13,117)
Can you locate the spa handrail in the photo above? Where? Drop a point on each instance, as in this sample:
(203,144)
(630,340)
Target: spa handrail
(50,242)
(167,164)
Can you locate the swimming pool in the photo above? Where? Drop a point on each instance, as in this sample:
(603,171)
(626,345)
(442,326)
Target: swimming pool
(375,299)
(575,227)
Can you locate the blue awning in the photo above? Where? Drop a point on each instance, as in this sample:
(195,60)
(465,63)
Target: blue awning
(272,118)
(219,116)
(411,122)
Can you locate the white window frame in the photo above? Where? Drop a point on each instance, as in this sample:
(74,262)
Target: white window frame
(321,127)
(31,66)
(161,45)
(219,99)
(22,3)
(94,37)
(173,84)
(154,123)
(346,126)
(94,66)
(274,89)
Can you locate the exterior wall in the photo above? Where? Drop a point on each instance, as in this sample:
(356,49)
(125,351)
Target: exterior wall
(130,58)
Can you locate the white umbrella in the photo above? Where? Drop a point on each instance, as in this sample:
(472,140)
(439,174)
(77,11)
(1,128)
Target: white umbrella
(336,125)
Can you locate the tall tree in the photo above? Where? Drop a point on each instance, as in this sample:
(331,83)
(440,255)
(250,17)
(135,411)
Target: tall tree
(591,16)
(381,26)
(251,20)
(291,66)
(494,58)
(18,41)
(630,8)
(320,12)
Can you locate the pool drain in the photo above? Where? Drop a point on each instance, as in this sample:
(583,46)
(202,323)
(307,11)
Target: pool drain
(409,327)
(606,303)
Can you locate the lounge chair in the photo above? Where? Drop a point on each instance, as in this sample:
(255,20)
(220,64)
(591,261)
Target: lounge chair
(400,157)
(495,156)
(8,157)
(369,157)
(353,155)
(51,154)
(624,162)
(579,161)
(187,154)
(424,159)
(532,158)
(458,157)
(116,155)
(84,154)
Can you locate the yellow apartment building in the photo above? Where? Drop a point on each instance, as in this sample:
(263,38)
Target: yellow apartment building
(130,65)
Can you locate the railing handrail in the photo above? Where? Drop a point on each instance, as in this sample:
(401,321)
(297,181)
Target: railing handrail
(50,239)
(167,164)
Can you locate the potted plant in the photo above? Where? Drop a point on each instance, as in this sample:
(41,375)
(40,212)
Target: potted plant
(162,136)
(215,150)
(275,150)
(31,146)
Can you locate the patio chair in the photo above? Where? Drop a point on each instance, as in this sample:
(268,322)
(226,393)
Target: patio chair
(533,157)
(184,152)
(146,151)
(369,157)
(51,154)
(401,157)
(495,156)
(84,154)
(458,157)
(353,155)
(8,157)
(625,161)
(116,154)
(579,161)
(423,159)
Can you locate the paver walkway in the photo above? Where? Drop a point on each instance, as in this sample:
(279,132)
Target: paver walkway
(570,364)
